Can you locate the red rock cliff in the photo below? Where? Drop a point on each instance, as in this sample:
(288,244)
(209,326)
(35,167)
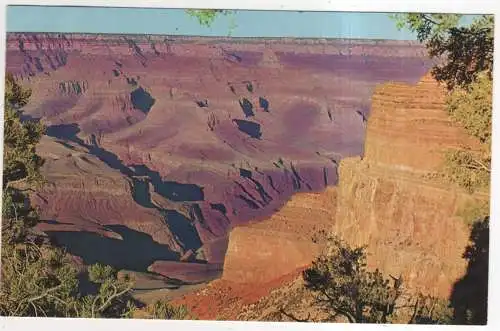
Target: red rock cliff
(384,201)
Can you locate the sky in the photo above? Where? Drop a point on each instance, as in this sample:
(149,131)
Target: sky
(249,23)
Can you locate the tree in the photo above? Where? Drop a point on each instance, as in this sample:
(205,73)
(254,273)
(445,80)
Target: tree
(464,51)
(36,281)
(21,164)
(112,298)
(467,168)
(37,278)
(465,63)
(472,107)
(206,17)
(164,310)
(347,289)
(344,287)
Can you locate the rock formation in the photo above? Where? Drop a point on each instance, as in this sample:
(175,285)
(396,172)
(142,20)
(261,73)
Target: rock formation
(385,201)
(160,147)
(270,59)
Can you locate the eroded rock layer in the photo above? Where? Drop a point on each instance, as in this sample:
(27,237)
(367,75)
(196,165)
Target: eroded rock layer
(189,137)
(384,200)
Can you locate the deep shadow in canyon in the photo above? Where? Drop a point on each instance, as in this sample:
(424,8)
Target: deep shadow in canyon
(140,176)
(250,128)
(171,190)
(182,227)
(255,195)
(136,250)
(469,296)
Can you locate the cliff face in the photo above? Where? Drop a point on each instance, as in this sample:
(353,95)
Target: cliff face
(200,135)
(270,249)
(384,201)
(89,208)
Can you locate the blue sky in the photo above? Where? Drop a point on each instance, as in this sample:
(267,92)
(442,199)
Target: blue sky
(249,23)
(177,22)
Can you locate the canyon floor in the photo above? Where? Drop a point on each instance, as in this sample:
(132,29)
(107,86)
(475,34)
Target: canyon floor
(204,166)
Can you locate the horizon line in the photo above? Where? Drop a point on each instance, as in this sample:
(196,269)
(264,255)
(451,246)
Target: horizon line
(413,41)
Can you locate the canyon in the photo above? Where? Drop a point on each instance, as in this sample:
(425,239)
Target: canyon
(195,160)
(409,221)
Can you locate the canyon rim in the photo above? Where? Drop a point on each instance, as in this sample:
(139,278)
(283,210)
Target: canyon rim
(204,166)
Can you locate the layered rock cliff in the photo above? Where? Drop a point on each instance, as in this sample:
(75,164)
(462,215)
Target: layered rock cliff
(384,200)
(194,137)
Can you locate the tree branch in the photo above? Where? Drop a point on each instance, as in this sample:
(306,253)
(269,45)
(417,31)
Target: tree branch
(414,315)
(38,297)
(429,20)
(93,306)
(337,309)
(291,316)
(13,182)
(34,307)
(482,165)
(58,299)
(115,295)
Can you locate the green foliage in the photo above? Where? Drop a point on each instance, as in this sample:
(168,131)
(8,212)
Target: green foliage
(464,51)
(164,310)
(18,217)
(113,297)
(472,107)
(470,170)
(206,17)
(36,281)
(427,26)
(21,164)
(344,287)
(15,95)
(468,52)
(99,273)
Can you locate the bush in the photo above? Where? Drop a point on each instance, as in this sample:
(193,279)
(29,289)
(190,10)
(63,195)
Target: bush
(164,310)
(470,170)
(344,287)
(472,108)
(38,279)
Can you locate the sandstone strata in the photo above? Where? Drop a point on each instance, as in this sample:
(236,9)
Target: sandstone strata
(384,200)
(192,137)
(409,222)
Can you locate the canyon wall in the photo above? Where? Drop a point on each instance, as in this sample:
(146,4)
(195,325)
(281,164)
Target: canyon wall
(267,250)
(194,136)
(383,200)
(188,157)
(408,220)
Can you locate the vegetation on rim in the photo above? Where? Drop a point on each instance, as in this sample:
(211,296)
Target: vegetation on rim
(37,278)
